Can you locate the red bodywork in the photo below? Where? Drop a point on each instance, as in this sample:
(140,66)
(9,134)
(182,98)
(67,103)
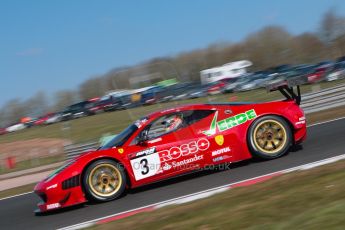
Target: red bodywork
(216,88)
(187,149)
(319,74)
(3,131)
(43,119)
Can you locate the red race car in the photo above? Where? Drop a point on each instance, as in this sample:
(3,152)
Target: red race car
(176,141)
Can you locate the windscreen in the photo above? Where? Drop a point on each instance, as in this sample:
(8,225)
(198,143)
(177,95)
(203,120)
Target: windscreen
(121,138)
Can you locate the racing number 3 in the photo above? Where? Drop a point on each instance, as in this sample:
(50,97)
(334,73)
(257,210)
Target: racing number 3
(145,168)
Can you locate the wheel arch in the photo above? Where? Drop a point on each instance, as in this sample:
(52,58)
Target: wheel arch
(272,114)
(128,181)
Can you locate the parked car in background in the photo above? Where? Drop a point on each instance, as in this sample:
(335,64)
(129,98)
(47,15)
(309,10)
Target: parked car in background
(320,72)
(77,110)
(340,59)
(218,87)
(215,88)
(183,92)
(3,131)
(100,105)
(254,81)
(28,121)
(226,71)
(128,101)
(170,92)
(15,127)
(302,70)
(295,71)
(338,72)
(197,91)
(149,96)
(110,103)
(231,86)
(279,70)
(118,101)
(42,120)
(57,117)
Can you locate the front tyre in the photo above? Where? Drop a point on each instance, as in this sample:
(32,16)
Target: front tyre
(104,180)
(269,137)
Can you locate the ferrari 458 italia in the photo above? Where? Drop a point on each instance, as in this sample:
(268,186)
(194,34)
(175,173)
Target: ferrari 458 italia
(176,141)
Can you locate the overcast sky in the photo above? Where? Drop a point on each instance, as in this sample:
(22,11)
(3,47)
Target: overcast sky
(53,45)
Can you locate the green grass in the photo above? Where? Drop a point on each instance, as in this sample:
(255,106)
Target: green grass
(35,162)
(93,127)
(312,199)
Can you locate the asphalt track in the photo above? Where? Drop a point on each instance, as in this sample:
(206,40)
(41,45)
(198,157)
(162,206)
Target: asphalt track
(324,141)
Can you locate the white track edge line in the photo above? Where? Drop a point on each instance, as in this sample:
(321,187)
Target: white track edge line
(21,194)
(324,122)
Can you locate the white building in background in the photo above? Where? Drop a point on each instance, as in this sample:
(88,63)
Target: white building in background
(229,70)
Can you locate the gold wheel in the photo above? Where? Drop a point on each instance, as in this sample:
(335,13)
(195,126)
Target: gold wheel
(270,136)
(105,180)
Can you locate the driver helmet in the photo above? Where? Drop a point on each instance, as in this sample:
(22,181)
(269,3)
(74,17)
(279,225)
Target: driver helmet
(173,122)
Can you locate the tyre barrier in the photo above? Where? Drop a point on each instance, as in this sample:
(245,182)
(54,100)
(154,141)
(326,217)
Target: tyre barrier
(74,150)
(324,99)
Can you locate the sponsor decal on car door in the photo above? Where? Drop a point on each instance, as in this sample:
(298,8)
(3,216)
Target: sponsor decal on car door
(229,122)
(149,162)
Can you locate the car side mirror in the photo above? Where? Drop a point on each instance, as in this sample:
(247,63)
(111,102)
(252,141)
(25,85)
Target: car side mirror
(143,137)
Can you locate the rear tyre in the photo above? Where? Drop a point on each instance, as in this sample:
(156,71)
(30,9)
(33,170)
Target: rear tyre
(104,180)
(269,137)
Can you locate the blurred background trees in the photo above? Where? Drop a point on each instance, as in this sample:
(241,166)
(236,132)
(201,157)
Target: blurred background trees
(332,32)
(64,98)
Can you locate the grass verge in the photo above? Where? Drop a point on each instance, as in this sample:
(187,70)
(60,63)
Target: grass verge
(32,163)
(312,199)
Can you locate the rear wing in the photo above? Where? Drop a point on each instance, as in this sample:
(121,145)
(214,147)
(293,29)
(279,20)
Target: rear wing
(289,88)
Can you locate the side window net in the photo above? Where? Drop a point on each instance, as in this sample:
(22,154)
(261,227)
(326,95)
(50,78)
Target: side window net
(193,116)
(166,124)
(173,122)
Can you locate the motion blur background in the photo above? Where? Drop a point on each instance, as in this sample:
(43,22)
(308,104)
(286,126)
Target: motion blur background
(118,61)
